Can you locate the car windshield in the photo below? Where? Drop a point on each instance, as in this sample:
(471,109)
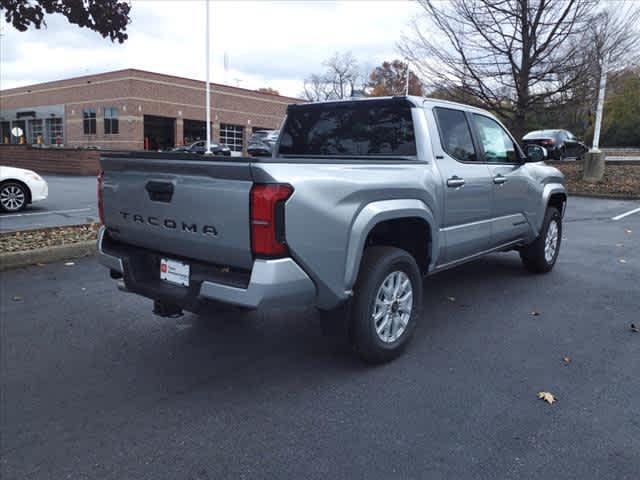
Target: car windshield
(365,128)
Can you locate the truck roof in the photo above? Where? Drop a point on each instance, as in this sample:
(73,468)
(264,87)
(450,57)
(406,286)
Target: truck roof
(412,99)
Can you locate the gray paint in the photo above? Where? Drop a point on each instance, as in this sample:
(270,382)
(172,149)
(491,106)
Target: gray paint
(274,283)
(335,205)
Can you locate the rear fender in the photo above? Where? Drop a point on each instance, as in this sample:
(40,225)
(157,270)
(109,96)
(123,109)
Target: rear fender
(380,211)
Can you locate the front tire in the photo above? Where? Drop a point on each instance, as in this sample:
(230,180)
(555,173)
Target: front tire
(13,197)
(387,303)
(541,255)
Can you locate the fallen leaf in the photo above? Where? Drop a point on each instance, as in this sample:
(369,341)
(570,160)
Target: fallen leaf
(622,260)
(535,314)
(547,397)
(69,264)
(451,299)
(634,328)
(566,360)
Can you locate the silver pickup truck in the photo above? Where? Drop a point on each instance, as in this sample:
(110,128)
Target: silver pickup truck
(360,200)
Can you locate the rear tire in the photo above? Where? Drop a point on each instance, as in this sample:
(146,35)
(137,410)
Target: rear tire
(541,255)
(386,305)
(14,197)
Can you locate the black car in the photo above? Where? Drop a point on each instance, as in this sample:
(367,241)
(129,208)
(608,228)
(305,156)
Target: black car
(560,144)
(200,147)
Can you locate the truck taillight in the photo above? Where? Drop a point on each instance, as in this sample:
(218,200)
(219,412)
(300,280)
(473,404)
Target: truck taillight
(267,219)
(100,202)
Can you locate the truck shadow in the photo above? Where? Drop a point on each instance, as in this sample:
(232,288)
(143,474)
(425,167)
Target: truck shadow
(231,347)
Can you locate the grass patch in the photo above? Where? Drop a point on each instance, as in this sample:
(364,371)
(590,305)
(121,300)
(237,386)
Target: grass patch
(618,181)
(47,237)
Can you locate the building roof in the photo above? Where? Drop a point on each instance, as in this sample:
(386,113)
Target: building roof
(126,72)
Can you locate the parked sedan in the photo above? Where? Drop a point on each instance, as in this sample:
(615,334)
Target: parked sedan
(561,144)
(19,188)
(200,147)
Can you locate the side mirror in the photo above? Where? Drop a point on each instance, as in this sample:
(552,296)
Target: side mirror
(536,153)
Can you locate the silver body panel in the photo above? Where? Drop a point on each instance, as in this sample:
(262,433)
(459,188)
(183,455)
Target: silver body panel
(334,206)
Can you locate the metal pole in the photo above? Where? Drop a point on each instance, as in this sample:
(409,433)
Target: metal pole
(601,92)
(406,87)
(208,88)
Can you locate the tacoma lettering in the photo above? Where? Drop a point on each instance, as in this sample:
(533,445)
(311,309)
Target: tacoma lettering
(170,224)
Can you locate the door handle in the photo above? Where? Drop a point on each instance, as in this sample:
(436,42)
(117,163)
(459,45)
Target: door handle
(455,182)
(499,180)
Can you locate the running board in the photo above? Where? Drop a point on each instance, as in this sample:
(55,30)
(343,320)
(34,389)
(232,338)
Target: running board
(455,263)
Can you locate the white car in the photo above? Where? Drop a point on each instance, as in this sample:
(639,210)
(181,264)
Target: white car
(19,188)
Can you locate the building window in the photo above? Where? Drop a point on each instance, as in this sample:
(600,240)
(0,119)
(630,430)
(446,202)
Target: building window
(111,124)
(89,121)
(5,132)
(35,131)
(232,136)
(55,131)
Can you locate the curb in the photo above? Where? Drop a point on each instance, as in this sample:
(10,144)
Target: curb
(604,196)
(25,258)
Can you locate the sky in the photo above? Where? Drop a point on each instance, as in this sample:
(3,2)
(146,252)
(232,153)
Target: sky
(268,43)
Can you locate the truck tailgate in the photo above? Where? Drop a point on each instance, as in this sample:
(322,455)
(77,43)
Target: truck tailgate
(182,205)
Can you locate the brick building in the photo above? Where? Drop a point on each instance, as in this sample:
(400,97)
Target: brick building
(134,110)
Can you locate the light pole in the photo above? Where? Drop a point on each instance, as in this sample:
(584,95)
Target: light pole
(600,106)
(594,159)
(208,87)
(406,86)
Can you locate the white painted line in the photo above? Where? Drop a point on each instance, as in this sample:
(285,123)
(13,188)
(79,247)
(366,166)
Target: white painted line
(52,212)
(626,214)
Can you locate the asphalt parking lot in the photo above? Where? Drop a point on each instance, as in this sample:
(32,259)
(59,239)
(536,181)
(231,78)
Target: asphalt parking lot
(72,201)
(93,386)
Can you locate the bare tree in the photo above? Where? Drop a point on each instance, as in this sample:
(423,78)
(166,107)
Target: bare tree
(316,88)
(512,56)
(613,37)
(341,79)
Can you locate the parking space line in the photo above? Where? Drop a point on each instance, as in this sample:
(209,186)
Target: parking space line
(52,212)
(626,214)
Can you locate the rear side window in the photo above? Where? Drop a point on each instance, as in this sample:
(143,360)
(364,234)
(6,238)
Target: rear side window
(455,135)
(364,128)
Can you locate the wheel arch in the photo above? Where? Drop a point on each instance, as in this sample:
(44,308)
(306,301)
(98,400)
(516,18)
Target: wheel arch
(407,224)
(558,200)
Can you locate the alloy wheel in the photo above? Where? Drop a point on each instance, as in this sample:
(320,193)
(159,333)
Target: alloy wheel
(12,198)
(392,306)
(551,241)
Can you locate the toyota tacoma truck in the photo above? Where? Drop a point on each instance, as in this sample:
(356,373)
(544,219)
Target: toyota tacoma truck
(359,201)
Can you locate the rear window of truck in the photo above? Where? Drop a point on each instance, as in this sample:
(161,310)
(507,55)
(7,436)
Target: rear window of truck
(367,128)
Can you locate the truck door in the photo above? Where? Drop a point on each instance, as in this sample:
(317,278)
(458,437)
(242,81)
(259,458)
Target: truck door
(466,220)
(512,187)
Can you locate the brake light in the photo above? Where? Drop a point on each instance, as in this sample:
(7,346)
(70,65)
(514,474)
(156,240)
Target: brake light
(267,219)
(100,202)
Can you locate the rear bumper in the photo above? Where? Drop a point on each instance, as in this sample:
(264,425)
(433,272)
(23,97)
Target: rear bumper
(272,283)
